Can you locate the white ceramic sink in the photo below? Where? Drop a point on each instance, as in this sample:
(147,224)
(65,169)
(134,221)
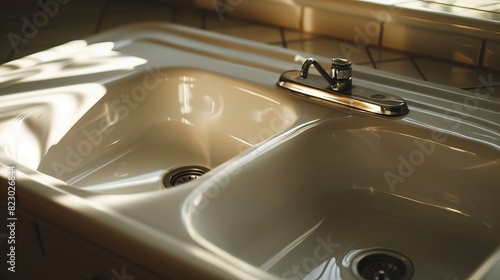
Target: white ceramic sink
(297,189)
(363,185)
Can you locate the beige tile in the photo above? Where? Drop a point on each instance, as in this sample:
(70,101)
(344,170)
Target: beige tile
(15,26)
(331,48)
(447,73)
(50,36)
(213,21)
(385,2)
(487,85)
(205,4)
(359,30)
(366,64)
(458,9)
(14,35)
(190,17)
(494,76)
(33,25)
(492,55)
(126,12)
(402,67)
(380,54)
(292,35)
(278,13)
(11,10)
(5,47)
(467,3)
(449,18)
(432,43)
(253,32)
(74,12)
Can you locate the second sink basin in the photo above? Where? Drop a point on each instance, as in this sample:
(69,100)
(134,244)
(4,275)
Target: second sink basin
(367,190)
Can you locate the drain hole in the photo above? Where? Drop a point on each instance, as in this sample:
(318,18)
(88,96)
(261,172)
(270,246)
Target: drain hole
(382,265)
(183,175)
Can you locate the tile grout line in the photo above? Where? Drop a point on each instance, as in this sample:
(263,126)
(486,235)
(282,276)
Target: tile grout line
(393,59)
(283,38)
(381,34)
(301,18)
(414,63)
(310,39)
(104,12)
(203,19)
(482,50)
(43,252)
(174,14)
(367,49)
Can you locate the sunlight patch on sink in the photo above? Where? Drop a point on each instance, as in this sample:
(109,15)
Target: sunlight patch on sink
(75,58)
(30,123)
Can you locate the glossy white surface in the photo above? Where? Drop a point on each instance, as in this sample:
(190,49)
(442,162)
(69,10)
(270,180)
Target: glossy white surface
(297,188)
(364,183)
(145,126)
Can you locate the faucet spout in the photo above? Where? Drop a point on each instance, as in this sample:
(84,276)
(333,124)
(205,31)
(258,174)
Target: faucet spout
(340,80)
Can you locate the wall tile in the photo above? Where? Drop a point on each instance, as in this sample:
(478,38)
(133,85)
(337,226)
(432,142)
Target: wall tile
(253,32)
(402,67)
(213,21)
(126,12)
(331,48)
(433,43)
(361,31)
(189,17)
(492,55)
(292,35)
(380,54)
(445,73)
(275,12)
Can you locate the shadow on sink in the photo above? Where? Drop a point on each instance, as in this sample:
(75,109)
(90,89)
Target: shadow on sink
(151,123)
(344,189)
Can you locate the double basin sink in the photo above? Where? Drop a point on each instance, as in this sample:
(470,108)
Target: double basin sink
(271,181)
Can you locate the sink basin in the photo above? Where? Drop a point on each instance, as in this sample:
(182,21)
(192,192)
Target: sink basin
(144,126)
(375,185)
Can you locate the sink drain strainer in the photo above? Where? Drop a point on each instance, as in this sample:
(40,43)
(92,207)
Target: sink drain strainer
(183,175)
(382,265)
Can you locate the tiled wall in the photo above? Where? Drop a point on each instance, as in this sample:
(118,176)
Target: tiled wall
(457,30)
(76,19)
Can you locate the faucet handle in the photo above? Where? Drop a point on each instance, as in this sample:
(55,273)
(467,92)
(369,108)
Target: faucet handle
(341,69)
(341,74)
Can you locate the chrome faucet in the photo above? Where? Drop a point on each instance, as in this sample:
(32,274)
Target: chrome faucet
(339,89)
(341,73)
